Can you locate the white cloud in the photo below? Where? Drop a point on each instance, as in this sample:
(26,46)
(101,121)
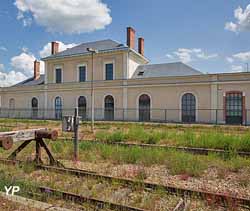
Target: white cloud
(243,56)
(23,63)
(46,51)
(11,78)
(188,55)
(237,68)
(1,67)
(25,49)
(231,27)
(242,20)
(65,16)
(230,59)
(2,48)
(202,55)
(184,55)
(169,56)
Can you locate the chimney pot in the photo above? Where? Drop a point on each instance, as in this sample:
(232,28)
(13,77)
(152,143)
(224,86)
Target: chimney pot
(54,48)
(141,46)
(36,70)
(131,37)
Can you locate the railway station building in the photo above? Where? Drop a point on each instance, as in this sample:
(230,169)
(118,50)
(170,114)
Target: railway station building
(126,87)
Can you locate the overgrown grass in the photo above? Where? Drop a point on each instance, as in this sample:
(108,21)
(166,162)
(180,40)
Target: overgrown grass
(30,121)
(185,138)
(134,133)
(7,180)
(5,129)
(215,140)
(176,162)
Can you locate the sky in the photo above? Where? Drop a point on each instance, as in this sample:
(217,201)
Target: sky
(211,36)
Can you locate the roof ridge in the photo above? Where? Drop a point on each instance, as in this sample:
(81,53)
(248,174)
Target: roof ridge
(89,42)
(101,45)
(163,63)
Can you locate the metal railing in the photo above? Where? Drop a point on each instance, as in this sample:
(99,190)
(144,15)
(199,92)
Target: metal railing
(207,116)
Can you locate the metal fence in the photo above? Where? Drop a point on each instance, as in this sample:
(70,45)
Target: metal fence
(207,116)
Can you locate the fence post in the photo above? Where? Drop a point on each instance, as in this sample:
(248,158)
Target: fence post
(216,115)
(245,117)
(76,124)
(165,115)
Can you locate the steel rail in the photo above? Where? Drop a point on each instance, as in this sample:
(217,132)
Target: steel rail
(83,199)
(194,150)
(217,198)
(72,171)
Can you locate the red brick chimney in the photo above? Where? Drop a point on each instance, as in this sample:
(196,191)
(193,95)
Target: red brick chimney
(36,70)
(54,47)
(141,46)
(131,37)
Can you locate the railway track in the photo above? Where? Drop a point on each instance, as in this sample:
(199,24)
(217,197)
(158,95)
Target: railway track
(79,199)
(216,198)
(193,150)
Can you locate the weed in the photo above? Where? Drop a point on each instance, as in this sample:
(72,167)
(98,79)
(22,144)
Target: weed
(117,136)
(183,163)
(28,167)
(243,180)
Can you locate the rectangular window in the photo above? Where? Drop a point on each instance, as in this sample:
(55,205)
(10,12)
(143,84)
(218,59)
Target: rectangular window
(82,73)
(58,75)
(109,68)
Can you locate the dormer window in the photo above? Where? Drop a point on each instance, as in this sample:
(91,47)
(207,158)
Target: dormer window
(109,71)
(140,73)
(82,73)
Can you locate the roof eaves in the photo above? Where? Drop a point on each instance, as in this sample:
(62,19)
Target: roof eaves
(84,54)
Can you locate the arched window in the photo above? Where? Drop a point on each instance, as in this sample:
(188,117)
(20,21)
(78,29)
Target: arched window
(144,108)
(58,108)
(109,108)
(12,107)
(82,107)
(188,108)
(34,105)
(234,107)
(12,104)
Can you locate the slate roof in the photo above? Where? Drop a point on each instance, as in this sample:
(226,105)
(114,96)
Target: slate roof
(164,70)
(142,71)
(31,82)
(101,46)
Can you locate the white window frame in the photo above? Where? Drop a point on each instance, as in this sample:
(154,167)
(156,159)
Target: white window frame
(78,72)
(57,67)
(104,69)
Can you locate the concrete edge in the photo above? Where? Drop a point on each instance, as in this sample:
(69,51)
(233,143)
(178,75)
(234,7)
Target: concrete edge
(32,203)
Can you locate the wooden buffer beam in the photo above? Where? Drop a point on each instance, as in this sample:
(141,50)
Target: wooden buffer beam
(7,139)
